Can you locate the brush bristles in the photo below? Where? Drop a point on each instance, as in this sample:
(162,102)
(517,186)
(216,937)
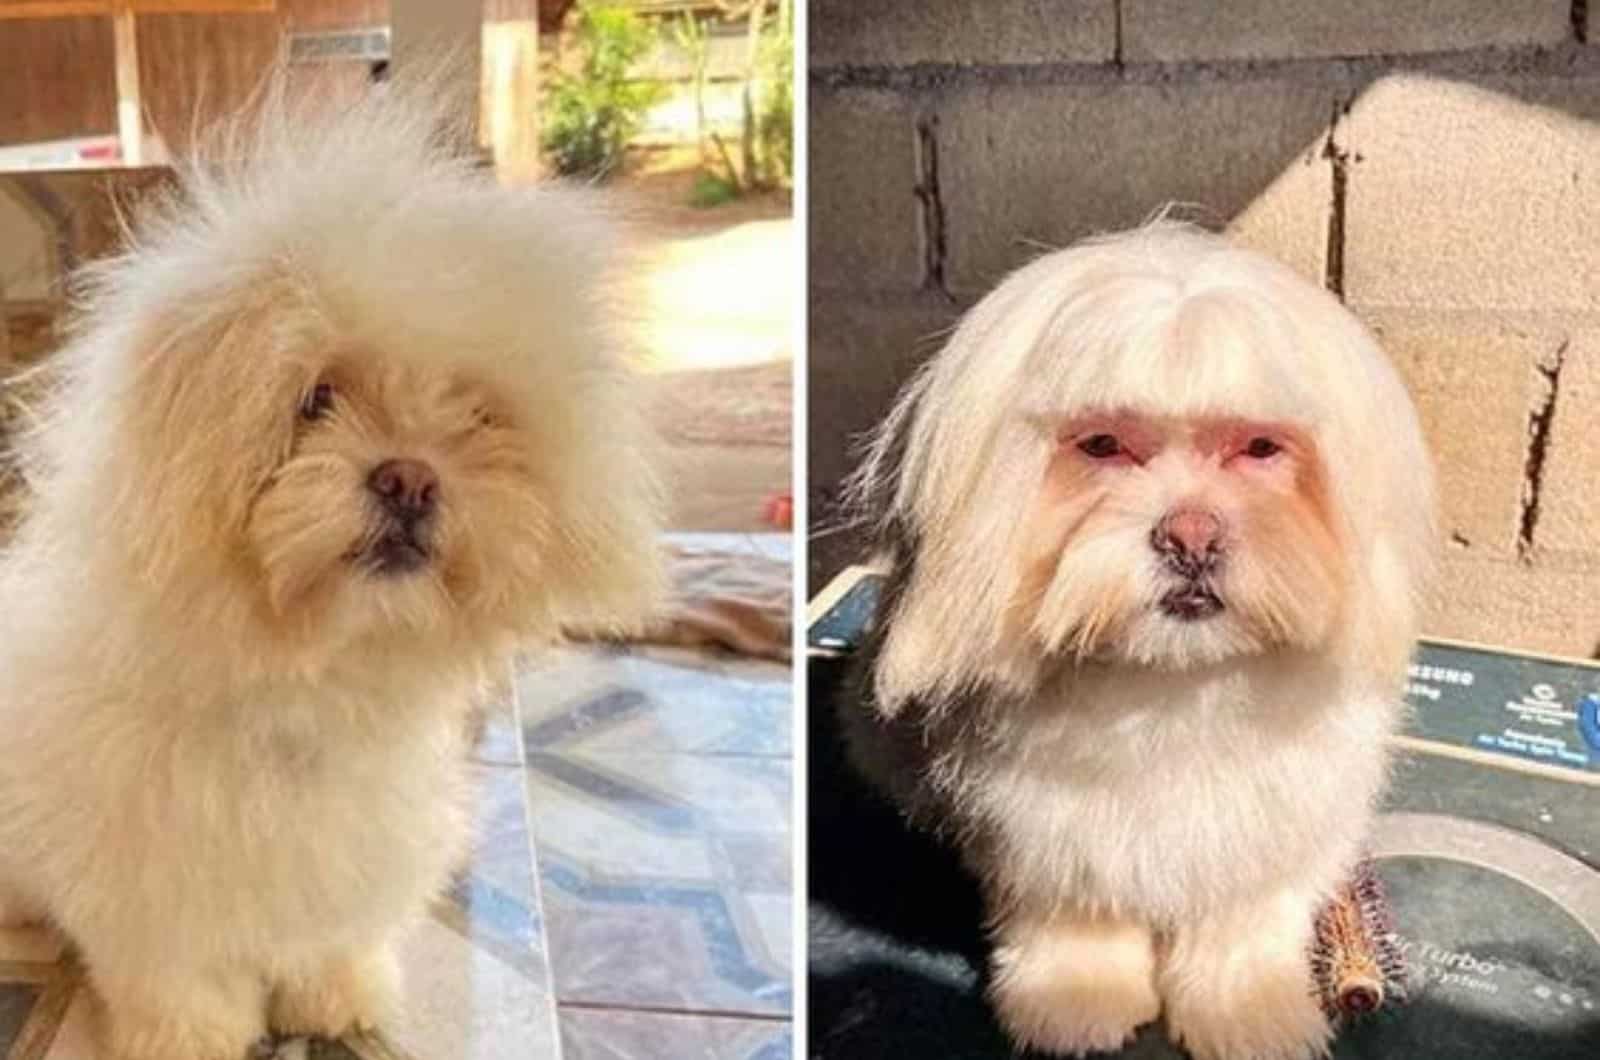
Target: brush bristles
(1356,961)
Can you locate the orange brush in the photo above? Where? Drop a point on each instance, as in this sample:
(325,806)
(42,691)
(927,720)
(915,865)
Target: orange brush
(1355,960)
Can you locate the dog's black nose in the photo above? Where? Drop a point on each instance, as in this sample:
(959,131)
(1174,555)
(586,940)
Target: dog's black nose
(406,488)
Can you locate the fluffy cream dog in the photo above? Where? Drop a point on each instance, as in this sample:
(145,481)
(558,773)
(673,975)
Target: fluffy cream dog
(340,432)
(1156,520)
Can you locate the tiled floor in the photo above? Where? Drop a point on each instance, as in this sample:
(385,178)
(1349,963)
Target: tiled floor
(659,782)
(647,917)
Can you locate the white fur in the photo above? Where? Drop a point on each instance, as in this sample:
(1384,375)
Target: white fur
(1164,320)
(233,765)
(1068,985)
(1100,760)
(1163,796)
(1237,983)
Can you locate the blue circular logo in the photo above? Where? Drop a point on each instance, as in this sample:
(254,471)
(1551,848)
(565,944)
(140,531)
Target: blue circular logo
(1589,719)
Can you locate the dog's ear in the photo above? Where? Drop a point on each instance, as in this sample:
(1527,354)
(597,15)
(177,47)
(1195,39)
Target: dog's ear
(939,633)
(896,551)
(200,410)
(874,492)
(877,495)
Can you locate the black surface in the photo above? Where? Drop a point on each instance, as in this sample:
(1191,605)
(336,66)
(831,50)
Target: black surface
(1497,970)
(1562,814)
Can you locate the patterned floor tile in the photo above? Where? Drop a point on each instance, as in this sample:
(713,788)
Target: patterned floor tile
(666,878)
(466,1003)
(498,743)
(615,1034)
(494,904)
(659,786)
(655,699)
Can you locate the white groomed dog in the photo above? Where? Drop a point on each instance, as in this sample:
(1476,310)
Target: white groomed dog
(342,430)
(1156,523)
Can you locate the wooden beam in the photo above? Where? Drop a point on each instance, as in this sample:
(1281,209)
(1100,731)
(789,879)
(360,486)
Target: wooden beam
(78,8)
(53,8)
(130,116)
(200,7)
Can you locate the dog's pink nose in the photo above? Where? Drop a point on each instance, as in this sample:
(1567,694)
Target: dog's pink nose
(1192,531)
(407,488)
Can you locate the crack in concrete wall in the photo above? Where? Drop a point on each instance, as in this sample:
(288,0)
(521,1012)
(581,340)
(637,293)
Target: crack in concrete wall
(935,248)
(1339,163)
(1116,40)
(1540,418)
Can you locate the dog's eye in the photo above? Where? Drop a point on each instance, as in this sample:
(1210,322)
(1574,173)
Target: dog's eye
(485,416)
(1101,446)
(316,403)
(1262,449)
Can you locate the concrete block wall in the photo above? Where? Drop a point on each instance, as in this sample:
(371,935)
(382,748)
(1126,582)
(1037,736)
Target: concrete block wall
(1436,165)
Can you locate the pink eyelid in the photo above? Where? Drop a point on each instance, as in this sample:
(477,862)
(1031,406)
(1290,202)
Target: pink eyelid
(1237,442)
(1139,440)
(1135,442)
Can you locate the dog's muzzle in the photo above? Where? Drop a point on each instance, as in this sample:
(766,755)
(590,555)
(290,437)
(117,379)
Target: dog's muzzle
(1191,601)
(407,496)
(1189,542)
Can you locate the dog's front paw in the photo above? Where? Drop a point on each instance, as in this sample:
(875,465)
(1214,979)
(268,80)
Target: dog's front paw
(1074,987)
(1265,1013)
(345,995)
(1241,988)
(213,1018)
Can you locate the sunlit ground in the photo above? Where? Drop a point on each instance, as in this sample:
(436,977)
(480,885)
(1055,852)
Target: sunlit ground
(720,299)
(716,296)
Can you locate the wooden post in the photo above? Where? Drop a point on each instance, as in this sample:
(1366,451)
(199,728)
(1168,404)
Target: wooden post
(130,119)
(511,97)
(423,31)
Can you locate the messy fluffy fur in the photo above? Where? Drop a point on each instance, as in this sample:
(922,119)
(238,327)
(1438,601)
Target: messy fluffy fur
(1159,761)
(233,681)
